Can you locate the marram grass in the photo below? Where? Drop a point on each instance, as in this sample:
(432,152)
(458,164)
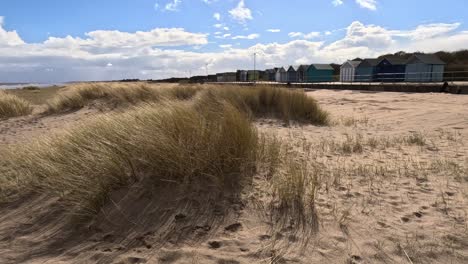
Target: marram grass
(13,106)
(182,135)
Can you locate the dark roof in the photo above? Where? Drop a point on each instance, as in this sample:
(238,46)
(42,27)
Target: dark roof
(322,66)
(369,62)
(395,60)
(353,63)
(303,67)
(428,59)
(295,68)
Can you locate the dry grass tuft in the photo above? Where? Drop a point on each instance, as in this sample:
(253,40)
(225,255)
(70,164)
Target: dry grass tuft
(13,106)
(173,142)
(416,139)
(114,95)
(265,101)
(259,101)
(188,137)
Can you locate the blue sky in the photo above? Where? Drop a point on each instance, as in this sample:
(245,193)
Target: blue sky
(56,40)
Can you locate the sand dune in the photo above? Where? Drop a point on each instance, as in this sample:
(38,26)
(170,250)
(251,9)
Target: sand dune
(393,188)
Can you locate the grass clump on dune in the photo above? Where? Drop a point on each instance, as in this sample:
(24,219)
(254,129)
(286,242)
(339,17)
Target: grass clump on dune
(13,106)
(288,105)
(259,101)
(114,94)
(173,141)
(80,95)
(209,140)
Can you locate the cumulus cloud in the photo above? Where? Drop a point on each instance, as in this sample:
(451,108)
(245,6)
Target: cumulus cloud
(337,2)
(241,13)
(367,4)
(310,35)
(161,53)
(428,31)
(105,39)
(8,38)
(251,36)
(219,36)
(217,16)
(173,5)
(274,30)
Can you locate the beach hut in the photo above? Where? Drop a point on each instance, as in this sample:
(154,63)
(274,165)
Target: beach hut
(348,71)
(281,75)
(219,77)
(366,70)
(270,75)
(292,74)
(391,69)
(241,76)
(424,68)
(230,77)
(319,73)
(253,75)
(262,76)
(302,73)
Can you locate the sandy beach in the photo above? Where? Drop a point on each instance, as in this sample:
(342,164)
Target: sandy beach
(392,188)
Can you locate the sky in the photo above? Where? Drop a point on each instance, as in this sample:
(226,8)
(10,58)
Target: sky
(53,41)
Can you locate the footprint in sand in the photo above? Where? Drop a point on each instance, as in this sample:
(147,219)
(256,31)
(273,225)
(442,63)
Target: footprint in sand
(133,260)
(234,227)
(405,219)
(214,244)
(354,259)
(264,237)
(383,224)
(418,214)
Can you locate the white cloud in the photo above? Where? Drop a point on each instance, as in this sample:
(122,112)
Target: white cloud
(241,13)
(310,35)
(222,36)
(251,36)
(162,53)
(274,30)
(104,39)
(337,2)
(428,31)
(8,38)
(368,4)
(217,16)
(173,5)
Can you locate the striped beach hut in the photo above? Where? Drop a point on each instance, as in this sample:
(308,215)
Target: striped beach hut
(281,75)
(348,71)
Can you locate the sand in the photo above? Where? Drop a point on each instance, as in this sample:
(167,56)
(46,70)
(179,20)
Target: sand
(382,197)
